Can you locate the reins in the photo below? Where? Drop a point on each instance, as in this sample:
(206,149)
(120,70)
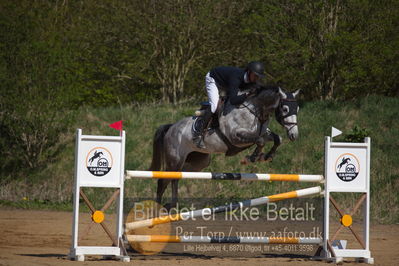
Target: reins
(253,109)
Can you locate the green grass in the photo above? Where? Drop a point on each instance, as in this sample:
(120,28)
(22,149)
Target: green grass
(378,115)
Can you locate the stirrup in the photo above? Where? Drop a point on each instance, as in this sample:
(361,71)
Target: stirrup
(199,141)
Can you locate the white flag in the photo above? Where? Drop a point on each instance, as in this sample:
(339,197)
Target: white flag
(335,132)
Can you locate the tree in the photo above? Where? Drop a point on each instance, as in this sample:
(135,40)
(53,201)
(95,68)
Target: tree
(331,49)
(36,102)
(174,36)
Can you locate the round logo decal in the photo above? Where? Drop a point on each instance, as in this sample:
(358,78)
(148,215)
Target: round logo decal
(99,161)
(347,167)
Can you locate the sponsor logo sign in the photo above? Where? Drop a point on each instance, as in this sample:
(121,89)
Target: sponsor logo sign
(347,167)
(99,161)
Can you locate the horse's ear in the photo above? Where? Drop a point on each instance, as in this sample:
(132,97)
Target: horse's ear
(282,93)
(295,93)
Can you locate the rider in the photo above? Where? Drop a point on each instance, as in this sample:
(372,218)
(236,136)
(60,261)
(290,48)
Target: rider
(229,80)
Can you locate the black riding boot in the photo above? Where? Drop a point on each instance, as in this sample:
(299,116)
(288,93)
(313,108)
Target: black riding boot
(199,136)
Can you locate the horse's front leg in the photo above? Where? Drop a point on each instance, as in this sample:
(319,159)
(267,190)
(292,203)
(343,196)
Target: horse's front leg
(256,155)
(277,141)
(248,137)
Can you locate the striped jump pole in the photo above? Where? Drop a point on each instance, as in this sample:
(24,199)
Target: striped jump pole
(224,176)
(225,208)
(223,240)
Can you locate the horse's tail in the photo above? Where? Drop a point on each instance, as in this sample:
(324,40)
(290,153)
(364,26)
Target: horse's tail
(158,148)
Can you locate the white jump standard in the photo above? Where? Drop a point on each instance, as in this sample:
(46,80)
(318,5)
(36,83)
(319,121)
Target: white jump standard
(347,170)
(99,162)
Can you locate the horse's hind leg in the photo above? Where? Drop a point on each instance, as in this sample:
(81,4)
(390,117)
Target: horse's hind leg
(175,193)
(162,185)
(172,164)
(194,162)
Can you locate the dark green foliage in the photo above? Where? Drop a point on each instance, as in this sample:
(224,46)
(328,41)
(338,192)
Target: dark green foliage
(31,133)
(115,51)
(37,101)
(357,134)
(331,49)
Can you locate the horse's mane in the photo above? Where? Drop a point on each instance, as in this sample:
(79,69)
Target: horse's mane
(259,87)
(266,87)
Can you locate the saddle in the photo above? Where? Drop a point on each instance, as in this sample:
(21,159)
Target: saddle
(214,125)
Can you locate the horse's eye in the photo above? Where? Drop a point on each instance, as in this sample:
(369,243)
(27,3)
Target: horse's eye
(285,110)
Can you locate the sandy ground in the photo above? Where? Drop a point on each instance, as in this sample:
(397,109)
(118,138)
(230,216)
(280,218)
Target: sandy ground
(44,238)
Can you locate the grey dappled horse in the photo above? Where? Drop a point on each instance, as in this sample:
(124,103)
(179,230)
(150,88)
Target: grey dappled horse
(240,127)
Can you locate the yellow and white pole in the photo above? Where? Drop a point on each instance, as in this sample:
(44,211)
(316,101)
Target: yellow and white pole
(224,176)
(225,208)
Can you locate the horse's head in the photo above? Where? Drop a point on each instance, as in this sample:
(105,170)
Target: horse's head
(284,104)
(287,111)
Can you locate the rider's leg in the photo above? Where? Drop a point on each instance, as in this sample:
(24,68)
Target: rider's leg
(206,118)
(212,92)
(213,97)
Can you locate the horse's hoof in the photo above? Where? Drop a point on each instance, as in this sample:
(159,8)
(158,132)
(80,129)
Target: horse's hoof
(253,159)
(244,161)
(260,158)
(249,159)
(268,159)
(168,206)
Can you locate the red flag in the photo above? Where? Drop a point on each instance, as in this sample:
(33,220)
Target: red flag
(117,125)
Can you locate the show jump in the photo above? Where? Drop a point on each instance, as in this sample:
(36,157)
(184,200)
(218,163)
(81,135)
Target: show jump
(99,162)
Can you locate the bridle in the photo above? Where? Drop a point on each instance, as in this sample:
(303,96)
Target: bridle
(290,101)
(292,104)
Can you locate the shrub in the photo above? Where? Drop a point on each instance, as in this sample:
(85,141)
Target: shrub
(357,134)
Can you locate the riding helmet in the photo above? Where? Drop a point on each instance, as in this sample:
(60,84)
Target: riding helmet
(256,67)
